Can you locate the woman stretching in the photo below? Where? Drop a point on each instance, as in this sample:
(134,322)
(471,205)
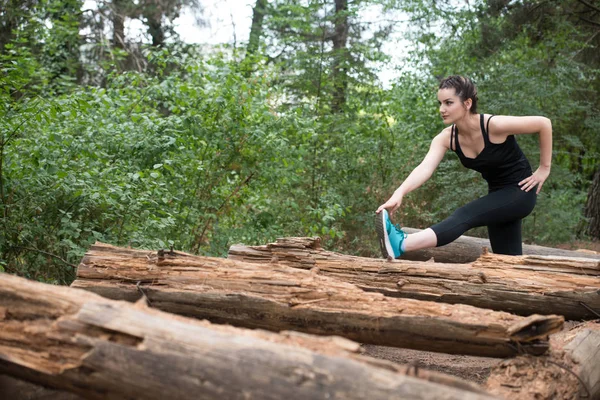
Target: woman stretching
(486,144)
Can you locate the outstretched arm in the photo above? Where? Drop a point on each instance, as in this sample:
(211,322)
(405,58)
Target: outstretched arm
(421,173)
(502,126)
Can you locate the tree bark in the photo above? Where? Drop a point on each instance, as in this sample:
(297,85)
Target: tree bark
(118,19)
(13,14)
(155,28)
(592,208)
(276,297)
(256,29)
(15,388)
(340,55)
(523,285)
(103,349)
(7,25)
(468,249)
(570,370)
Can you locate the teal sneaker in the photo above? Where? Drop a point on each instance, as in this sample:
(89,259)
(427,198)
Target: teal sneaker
(390,236)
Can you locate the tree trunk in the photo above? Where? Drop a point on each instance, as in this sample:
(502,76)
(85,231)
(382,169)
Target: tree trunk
(155,28)
(258,15)
(340,55)
(592,208)
(468,249)
(13,14)
(102,349)
(523,285)
(7,25)
(570,370)
(276,297)
(118,18)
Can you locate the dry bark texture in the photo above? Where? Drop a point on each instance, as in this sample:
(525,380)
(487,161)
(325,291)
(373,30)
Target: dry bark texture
(592,206)
(74,340)
(467,249)
(523,285)
(569,371)
(18,389)
(277,297)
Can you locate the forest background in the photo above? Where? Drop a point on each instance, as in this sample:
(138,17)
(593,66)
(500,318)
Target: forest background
(289,132)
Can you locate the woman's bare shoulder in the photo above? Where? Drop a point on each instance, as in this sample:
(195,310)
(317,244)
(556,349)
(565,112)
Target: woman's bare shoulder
(504,125)
(443,138)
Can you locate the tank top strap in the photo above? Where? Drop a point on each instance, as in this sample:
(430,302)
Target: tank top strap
(454,138)
(487,125)
(486,138)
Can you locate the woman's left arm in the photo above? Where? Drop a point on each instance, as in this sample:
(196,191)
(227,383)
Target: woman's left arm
(503,126)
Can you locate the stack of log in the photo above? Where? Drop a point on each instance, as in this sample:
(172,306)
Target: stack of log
(77,341)
(539,282)
(278,297)
(287,292)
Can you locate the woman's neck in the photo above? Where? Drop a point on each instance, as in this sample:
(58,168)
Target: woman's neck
(468,125)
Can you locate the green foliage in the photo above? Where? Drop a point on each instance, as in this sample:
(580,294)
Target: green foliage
(301,37)
(200,152)
(196,158)
(60,53)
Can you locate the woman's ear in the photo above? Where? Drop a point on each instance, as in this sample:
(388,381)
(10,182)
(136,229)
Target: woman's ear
(468,103)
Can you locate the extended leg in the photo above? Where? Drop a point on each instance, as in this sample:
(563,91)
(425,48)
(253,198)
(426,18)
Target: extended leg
(420,240)
(497,208)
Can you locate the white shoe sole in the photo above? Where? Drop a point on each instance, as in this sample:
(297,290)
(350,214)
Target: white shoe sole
(384,239)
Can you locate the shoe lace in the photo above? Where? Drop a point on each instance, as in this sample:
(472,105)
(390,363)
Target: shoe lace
(398,228)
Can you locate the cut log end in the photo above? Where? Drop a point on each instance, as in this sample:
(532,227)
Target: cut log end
(568,371)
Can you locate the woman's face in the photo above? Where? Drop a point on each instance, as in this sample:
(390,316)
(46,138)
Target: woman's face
(452,108)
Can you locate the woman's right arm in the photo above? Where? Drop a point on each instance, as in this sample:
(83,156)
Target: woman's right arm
(421,173)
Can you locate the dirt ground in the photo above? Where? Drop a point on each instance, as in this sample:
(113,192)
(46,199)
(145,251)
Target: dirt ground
(472,369)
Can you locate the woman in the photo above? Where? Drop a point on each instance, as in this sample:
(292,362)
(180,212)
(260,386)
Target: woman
(486,144)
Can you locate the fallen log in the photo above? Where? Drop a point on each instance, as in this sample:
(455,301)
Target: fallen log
(77,341)
(523,285)
(18,389)
(468,249)
(567,265)
(276,297)
(570,370)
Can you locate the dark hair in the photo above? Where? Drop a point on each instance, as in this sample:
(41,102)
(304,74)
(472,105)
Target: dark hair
(464,87)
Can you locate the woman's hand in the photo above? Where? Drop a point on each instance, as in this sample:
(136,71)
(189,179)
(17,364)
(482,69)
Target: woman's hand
(538,178)
(392,204)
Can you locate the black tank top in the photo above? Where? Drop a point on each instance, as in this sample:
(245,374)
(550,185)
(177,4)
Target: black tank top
(500,164)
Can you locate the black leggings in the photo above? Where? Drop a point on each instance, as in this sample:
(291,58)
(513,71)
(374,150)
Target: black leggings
(501,211)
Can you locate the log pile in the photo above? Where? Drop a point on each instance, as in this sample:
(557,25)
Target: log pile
(277,297)
(77,341)
(523,285)
(101,348)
